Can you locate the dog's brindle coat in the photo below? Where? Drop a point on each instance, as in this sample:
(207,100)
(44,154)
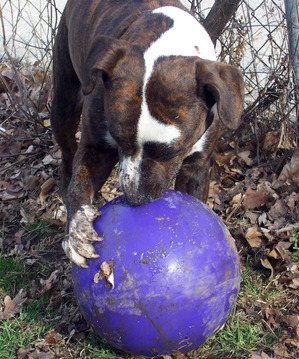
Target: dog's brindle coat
(144,77)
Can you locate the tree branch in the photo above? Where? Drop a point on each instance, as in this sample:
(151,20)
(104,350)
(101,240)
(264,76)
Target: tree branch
(219,16)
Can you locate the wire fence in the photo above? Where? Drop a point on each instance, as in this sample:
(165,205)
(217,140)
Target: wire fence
(256,40)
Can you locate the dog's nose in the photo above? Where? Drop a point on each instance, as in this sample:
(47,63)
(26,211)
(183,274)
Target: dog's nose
(134,199)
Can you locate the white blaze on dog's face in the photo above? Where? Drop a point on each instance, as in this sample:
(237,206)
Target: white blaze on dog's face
(169,101)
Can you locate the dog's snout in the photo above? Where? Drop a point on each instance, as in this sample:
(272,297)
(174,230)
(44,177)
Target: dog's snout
(136,200)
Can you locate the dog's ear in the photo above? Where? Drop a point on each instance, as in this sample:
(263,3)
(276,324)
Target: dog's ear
(222,84)
(103,54)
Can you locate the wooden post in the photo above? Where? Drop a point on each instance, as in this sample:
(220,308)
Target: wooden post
(218,17)
(292,16)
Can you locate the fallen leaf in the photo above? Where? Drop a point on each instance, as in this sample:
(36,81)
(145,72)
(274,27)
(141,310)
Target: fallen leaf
(252,216)
(245,156)
(291,170)
(261,355)
(265,263)
(278,210)
(262,219)
(236,199)
(48,159)
(5,196)
(18,236)
(30,183)
(292,199)
(47,186)
(177,355)
(272,316)
(22,353)
(294,284)
(254,199)
(254,237)
(282,352)
(47,284)
(285,256)
(40,355)
(291,320)
(5,186)
(293,337)
(273,254)
(106,272)
(13,306)
(53,338)
(271,141)
(8,74)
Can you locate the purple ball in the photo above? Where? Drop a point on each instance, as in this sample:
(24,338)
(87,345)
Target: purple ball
(176,275)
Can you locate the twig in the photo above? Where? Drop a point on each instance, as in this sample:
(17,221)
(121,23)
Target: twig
(21,154)
(234,210)
(19,161)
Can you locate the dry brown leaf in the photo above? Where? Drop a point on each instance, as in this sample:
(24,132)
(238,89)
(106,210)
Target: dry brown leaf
(261,355)
(252,216)
(13,306)
(262,219)
(291,170)
(282,352)
(5,186)
(291,320)
(274,254)
(294,284)
(293,338)
(236,199)
(278,210)
(177,355)
(223,158)
(265,263)
(289,277)
(47,186)
(30,183)
(271,141)
(8,74)
(292,199)
(5,196)
(40,355)
(48,159)
(47,284)
(53,338)
(254,237)
(245,156)
(106,272)
(285,256)
(272,316)
(254,199)
(18,236)
(22,353)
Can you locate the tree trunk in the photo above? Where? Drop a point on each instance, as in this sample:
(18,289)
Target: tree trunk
(219,16)
(292,16)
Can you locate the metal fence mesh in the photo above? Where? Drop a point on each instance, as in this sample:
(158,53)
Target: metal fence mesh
(29,29)
(255,39)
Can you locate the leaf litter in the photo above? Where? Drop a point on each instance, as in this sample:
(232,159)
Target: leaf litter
(254,190)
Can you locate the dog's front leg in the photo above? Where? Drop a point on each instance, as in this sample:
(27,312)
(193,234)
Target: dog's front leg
(194,175)
(91,168)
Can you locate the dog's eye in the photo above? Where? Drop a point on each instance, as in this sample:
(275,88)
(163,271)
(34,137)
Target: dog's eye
(160,151)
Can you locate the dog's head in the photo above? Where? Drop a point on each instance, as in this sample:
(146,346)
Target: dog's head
(156,117)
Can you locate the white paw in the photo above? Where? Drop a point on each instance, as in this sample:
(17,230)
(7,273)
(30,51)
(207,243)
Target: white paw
(78,244)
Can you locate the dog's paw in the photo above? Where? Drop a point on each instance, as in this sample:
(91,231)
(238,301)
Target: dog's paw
(78,244)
